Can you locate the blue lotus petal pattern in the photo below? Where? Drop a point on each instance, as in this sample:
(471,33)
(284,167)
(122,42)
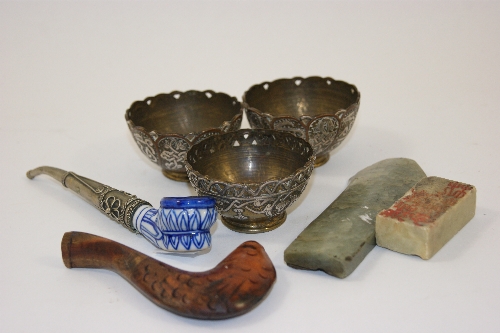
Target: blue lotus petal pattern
(179,229)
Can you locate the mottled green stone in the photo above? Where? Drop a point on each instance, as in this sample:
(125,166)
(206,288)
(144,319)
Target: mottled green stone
(340,237)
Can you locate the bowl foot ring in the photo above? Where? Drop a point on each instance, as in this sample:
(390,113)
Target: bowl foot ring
(321,159)
(180,176)
(256,226)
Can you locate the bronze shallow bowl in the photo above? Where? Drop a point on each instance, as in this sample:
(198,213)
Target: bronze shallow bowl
(167,125)
(318,110)
(253,174)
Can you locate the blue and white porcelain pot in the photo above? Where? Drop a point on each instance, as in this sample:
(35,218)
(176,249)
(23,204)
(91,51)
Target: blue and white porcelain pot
(181,224)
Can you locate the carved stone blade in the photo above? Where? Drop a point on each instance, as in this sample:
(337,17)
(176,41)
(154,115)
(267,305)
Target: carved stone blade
(341,236)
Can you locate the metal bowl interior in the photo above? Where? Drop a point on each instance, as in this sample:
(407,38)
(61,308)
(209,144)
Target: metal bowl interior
(250,164)
(254,175)
(183,113)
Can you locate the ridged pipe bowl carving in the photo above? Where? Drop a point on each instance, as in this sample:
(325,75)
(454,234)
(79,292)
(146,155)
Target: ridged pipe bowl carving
(319,110)
(254,175)
(167,125)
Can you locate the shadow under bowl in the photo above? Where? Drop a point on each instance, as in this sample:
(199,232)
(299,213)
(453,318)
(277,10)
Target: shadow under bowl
(254,175)
(167,125)
(319,110)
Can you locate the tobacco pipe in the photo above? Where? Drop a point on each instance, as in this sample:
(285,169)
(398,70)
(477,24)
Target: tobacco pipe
(182,224)
(233,287)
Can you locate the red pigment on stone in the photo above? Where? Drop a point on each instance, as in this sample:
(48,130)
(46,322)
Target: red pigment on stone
(422,207)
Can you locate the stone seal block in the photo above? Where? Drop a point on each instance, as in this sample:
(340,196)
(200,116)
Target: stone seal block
(341,236)
(426,217)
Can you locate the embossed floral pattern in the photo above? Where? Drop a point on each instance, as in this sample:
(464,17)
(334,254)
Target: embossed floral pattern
(322,132)
(173,152)
(112,206)
(146,145)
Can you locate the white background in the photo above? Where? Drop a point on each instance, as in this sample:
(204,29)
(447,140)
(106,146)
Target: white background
(428,73)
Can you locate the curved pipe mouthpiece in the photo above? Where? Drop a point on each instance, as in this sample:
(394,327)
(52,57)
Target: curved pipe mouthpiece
(182,224)
(233,287)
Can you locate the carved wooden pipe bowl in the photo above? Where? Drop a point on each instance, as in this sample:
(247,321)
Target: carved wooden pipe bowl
(235,286)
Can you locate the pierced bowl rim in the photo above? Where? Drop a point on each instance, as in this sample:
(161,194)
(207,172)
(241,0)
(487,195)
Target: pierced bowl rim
(301,119)
(157,135)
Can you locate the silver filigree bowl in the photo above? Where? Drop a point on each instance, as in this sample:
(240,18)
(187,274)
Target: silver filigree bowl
(253,174)
(167,125)
(319,110)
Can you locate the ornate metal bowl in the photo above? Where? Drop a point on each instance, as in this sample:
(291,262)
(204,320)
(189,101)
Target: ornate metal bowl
(253,174)
(318,110)
(167,125)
